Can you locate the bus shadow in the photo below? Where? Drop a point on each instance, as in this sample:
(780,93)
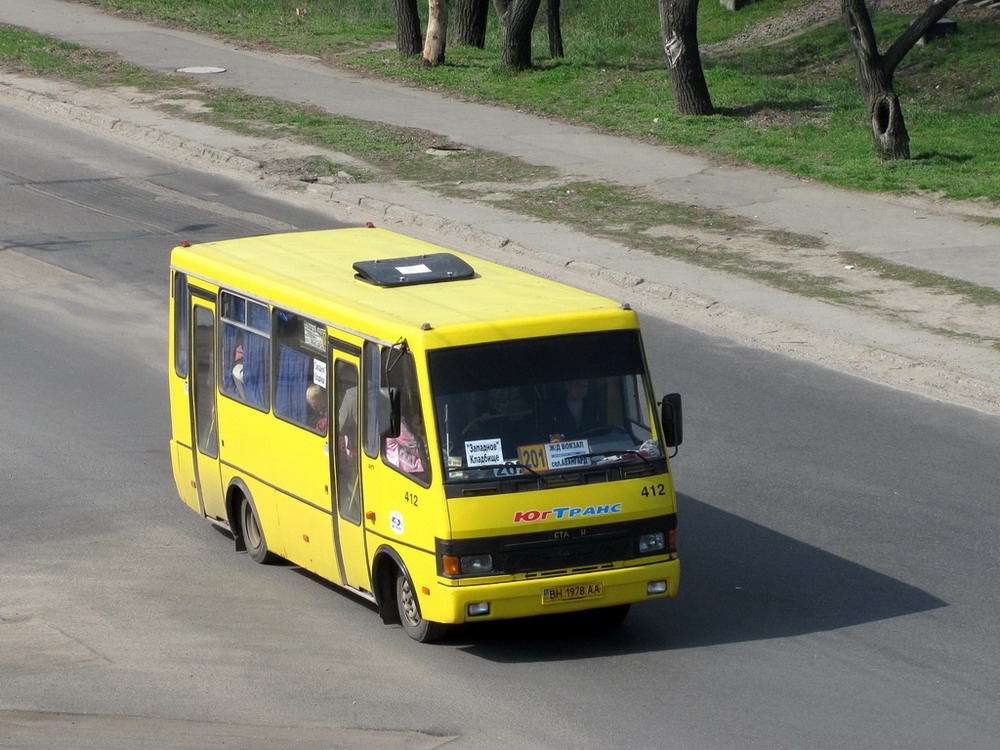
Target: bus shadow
(740,582)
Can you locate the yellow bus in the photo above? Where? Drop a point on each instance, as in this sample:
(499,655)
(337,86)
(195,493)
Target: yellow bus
(448,438)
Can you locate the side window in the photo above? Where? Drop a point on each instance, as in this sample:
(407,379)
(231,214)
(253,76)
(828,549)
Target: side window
(182,332)
(345,397)
(300,387)
(204,381)
(245,351)
(636,407)
(372,364)
(408,452)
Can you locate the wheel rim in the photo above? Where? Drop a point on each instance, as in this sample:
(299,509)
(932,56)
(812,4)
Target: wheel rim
(408,603)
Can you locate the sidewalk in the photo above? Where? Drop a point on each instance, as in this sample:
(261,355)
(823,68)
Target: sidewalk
(916,233)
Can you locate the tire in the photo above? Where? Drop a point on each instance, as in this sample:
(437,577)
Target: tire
(253,534)
(419,629)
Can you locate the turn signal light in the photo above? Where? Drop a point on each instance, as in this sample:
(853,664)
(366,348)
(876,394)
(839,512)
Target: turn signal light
(451,565)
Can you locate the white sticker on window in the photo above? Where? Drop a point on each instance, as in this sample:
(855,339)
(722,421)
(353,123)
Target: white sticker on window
(483,452)
(407,270)
(319,373)
(567,453)
(312,335)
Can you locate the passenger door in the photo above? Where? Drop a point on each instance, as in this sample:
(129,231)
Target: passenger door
(205,423)
(349,520)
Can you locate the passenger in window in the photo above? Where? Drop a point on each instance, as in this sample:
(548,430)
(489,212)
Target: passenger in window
(404,451)
(318,414)
(238,370)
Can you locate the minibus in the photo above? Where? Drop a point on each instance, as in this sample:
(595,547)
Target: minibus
(449,439)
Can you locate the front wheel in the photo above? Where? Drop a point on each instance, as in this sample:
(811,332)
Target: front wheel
(413,623)
(253,534)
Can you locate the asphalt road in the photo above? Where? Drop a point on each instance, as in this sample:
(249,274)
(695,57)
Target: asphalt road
(838,538)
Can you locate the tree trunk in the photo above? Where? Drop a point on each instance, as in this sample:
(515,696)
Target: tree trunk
(407,27)
(876,71)
(469,22)
(517,18)
(555,28)
(437,33)
(679,30)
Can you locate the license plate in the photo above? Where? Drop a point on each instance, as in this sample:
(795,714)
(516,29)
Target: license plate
(572,592)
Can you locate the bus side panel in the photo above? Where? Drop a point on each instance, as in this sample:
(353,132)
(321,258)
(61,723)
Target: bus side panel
(421,566)
(296,518)
(308,535)
(411,515)
(183,464)
(263,497)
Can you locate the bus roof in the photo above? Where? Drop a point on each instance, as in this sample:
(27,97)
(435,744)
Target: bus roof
(314,274)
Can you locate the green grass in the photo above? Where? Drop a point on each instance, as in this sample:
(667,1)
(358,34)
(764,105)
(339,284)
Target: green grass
(792,106)
(26,52)
(330,26)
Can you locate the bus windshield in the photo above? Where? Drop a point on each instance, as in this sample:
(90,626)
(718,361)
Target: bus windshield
(542,404)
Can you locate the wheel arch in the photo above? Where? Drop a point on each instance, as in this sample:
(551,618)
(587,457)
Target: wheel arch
(235,493)
(385,564)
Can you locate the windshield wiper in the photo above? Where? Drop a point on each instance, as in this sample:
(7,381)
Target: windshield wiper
(608,454)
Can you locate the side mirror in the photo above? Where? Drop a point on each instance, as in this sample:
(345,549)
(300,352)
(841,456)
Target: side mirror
(672,420)
(388,413)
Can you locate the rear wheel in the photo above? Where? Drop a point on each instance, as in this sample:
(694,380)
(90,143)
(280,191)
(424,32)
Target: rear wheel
(413,623)
(253,534)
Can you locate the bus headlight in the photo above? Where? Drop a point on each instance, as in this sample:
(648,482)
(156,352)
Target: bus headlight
(476,565)
(651,542)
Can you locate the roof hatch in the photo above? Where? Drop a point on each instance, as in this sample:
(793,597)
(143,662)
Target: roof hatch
(417,269)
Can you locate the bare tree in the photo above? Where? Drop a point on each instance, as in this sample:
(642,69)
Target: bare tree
(407,27)
(437,33)
(679,30)
(469,22)
(517,18)
(876,71)
(555,28)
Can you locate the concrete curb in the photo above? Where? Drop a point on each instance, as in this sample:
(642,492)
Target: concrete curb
(118,126)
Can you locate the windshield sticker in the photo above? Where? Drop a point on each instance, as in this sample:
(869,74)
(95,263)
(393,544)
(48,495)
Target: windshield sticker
(312,336)
(567,453)
(483,452)
(509,469)
(556,514)
(558,455)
